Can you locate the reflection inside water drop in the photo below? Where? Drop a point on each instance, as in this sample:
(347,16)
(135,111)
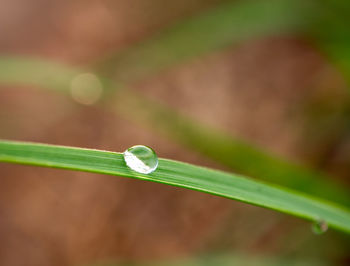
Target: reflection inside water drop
(319,227)
(141,159)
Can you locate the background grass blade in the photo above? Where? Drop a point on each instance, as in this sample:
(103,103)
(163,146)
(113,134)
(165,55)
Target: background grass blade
(227,150)
(229,23)
(36,72)
(222,259)
(326,22)
(180,174)
(330,30)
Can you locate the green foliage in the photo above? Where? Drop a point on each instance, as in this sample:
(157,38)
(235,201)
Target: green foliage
(180,174)
(219,27)
(222,260)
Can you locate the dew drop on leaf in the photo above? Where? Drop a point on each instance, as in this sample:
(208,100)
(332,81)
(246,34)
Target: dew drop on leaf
(141,159)
(319,227)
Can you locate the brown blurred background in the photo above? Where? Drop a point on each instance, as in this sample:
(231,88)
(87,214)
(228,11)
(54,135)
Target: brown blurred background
(277,92)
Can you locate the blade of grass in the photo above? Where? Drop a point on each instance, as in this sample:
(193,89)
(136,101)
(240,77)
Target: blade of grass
(222,259)
(231,152)
(36,72)
(234,153)
(330,31)
(216,28)
(326,22)
(180,174)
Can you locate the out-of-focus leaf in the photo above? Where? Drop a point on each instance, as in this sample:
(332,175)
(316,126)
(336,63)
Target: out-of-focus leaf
(217,28)
(222,260)
(329,27)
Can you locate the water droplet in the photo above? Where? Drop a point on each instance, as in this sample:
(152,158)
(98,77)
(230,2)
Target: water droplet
(319,227)
(86,88)
(141,159)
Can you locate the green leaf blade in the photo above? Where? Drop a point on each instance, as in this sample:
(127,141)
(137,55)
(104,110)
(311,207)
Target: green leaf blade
(180,174)
(220,27)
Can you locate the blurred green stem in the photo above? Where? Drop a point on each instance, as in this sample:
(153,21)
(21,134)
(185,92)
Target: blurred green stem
(219,27)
